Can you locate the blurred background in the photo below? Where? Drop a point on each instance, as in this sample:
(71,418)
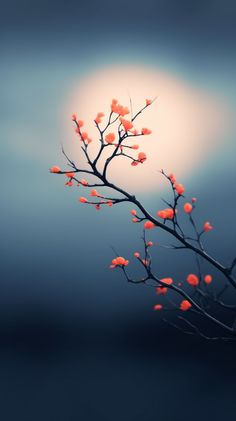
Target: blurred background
(76,341)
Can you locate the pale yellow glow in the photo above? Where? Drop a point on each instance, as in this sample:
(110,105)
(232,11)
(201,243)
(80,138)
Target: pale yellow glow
(187,124)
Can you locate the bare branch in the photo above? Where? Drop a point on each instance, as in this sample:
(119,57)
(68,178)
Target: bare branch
(201,299)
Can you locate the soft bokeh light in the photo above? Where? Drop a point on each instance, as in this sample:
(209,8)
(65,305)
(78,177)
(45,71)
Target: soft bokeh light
(187,122)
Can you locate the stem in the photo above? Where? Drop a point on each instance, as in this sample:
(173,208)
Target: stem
(194,304)
(174,233)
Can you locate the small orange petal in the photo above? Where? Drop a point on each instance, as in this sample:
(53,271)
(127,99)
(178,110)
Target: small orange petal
(180,189)
(172,178)
(142,157)
(134,132)
(207,227)
(167,281)
(148,225)
(161,290)
(69,183)
(55,170)
(126,124)
(83,182)
(120,261)
(207,279)
(188,207)
(146,131)
(84,135)
(185,305)
(70,174)
(158,307)
(166,213)
(80,123)
(110,137)
(192,279)
(94,193)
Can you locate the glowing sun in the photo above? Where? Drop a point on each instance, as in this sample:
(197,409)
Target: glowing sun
(187,123)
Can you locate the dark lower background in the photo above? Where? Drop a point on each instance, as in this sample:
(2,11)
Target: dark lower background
(132,371)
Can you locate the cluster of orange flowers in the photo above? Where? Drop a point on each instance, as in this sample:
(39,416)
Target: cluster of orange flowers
(180,189)
(110,137)
(118,108)
(84,137)
(97,205)
(184,306)
(98,118)
(191,279)
(79,123)
(141,158)
(166,214)
(119,262)
(127,124)
(194,280)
